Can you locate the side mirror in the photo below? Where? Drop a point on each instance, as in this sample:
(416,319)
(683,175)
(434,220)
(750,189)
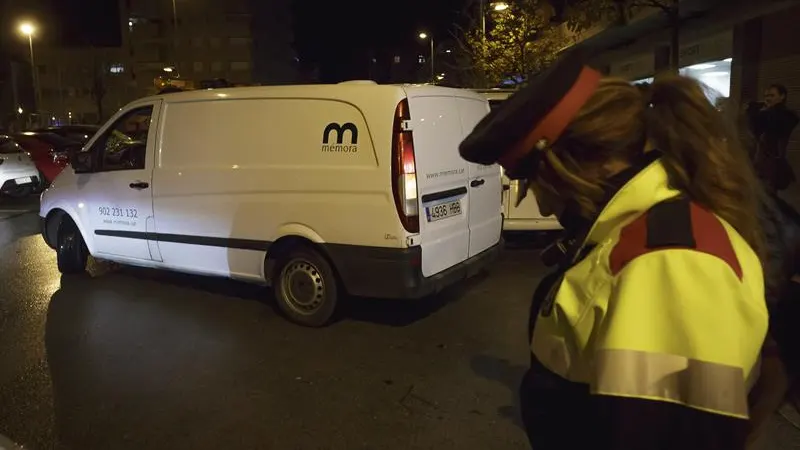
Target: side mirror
(81,162)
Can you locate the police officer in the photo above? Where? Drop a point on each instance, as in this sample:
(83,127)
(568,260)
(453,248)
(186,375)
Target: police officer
(647,335)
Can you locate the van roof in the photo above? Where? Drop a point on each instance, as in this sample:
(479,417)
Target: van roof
(339,91)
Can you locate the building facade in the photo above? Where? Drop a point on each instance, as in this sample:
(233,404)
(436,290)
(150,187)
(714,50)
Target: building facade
(185,42)
(191,40)
(737,48)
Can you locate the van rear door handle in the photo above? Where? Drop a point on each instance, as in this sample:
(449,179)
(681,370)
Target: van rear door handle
(139,185)
(477,183)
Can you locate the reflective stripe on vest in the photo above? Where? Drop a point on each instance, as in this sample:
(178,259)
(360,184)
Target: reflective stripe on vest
(706,386)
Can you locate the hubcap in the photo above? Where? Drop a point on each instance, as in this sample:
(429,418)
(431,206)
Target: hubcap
(67,243)
(302,286)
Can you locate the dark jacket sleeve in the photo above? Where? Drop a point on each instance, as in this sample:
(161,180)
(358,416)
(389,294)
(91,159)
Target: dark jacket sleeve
(633,424)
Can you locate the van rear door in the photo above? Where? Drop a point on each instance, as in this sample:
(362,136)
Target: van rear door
(485,186)
(442,183)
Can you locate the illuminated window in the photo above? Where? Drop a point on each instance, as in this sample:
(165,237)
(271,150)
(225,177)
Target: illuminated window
(397,60)
(421,59)
(117,69)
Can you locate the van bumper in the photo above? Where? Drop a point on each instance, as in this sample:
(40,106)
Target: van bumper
(396,273)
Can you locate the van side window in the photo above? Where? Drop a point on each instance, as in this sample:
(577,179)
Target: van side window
(124,145)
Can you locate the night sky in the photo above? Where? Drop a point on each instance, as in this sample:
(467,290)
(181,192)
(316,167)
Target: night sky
(338,36)
(342,36)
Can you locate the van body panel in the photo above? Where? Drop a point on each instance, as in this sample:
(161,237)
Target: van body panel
(485,187)
(115,211)
(317,155)
(526,216)
(441,180)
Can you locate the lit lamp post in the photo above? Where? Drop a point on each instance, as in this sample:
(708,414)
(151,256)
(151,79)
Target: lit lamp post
(27,29)
(424,36)
(175,29)
(496,6)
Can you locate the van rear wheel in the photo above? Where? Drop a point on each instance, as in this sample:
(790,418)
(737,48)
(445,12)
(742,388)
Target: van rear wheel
(305,287)
(71,251)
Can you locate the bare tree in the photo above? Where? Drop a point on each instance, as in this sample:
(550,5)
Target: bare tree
(583,14)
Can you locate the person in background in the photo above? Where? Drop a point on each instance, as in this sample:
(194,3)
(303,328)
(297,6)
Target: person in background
(772,124)
(648,334)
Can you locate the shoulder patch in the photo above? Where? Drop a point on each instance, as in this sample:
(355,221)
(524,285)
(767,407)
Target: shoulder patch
(708,232)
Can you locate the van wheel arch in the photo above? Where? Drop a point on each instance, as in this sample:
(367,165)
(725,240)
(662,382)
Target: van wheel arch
(286,244)
(51,225)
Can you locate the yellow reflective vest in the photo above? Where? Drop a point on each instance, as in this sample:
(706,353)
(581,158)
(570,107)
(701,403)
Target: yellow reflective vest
(667,324)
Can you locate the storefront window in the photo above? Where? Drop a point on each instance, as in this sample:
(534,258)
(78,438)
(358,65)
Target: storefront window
(715,75)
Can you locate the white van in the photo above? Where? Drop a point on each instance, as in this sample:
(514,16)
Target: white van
(525,216)
(311,189)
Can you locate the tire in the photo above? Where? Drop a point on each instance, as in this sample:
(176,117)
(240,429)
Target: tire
(305,287)
(71,251)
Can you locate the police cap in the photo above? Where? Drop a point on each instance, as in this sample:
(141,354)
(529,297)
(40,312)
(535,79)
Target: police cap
(517,132)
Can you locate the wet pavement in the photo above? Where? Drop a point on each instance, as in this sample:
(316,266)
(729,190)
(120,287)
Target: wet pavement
(131,358)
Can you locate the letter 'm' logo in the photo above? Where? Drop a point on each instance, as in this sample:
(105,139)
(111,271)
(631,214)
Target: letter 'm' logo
(340,130)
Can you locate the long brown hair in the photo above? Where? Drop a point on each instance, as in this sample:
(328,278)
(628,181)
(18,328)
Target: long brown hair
(701,153)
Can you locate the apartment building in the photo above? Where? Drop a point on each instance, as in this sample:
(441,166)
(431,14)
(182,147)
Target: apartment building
(82,85)
(187,40)
(190,40)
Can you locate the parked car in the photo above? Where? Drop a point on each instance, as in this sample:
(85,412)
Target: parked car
(316,190)
(18,174)
(49,152)
(77,133)
(496,96)
(525,216)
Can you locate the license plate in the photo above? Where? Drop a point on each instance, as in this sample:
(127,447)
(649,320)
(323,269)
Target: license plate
(24,180)
(443,210)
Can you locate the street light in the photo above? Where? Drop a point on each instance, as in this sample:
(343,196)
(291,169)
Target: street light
(175,28)
(500,6)
(496,6)
(28,29)
(424,36)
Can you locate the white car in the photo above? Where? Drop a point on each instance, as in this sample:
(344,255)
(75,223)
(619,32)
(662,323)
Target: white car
(525,216)
(18,174)
(310,189)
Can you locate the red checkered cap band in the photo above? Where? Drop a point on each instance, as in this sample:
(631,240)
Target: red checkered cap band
(550,128)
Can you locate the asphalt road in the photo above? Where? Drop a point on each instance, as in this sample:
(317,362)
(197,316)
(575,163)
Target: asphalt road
(129,359)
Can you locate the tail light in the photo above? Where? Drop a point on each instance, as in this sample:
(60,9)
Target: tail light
(404,171)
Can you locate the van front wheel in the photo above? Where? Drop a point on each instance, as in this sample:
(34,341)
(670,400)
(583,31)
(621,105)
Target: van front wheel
(71,251)
(305,287)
